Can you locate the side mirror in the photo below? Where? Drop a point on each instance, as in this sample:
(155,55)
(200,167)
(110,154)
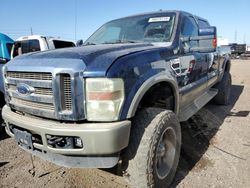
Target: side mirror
(2,60)
(79,43)
(207,40)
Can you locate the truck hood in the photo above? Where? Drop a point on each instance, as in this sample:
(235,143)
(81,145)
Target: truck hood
(95,59)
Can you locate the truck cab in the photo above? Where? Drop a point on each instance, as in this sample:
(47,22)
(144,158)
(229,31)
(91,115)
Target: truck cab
(6,44)
(36,43)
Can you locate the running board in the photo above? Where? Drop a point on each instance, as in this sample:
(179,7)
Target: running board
(197,104)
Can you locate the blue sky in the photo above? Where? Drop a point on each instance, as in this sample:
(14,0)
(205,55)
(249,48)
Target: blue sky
(57,17)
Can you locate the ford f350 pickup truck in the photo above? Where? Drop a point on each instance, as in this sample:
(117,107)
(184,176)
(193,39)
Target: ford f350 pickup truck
(119,97)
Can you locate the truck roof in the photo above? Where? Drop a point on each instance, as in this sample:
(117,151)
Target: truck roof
(165,11)
(41,36)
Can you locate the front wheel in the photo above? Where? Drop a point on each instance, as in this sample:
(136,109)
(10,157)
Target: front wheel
(153,153)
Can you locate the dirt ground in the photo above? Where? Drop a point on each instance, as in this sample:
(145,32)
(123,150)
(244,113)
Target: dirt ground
(215,150)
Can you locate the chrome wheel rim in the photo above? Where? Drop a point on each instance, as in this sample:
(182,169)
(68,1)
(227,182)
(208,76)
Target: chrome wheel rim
(165,153)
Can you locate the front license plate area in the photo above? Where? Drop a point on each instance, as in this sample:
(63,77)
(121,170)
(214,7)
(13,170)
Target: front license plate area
(23,139)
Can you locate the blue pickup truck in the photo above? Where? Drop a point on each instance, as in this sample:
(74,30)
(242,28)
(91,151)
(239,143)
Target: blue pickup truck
(118,99)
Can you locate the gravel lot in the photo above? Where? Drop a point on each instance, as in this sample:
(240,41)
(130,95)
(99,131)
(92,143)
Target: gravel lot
(215,150)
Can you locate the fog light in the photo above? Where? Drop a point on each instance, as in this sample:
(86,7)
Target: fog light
(78,142)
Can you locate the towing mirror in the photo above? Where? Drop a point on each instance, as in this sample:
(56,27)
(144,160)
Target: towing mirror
(79,43)
(207,41)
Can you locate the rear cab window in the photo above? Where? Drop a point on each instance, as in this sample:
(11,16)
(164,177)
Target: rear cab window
(26,46)
(203,23)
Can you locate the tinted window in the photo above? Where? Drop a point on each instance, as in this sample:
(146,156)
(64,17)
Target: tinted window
(203,23)
(62,44)
(189,27)
(26,46)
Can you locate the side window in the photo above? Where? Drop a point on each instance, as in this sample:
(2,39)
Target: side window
(26,46)
(30,46)
(189,28)
(63,44)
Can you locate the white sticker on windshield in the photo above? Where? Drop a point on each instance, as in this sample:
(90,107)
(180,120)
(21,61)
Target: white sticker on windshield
(159,19)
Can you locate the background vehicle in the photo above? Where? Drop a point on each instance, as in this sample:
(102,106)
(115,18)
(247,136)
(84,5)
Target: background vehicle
(246,55)
(6,44)
(120,96)
(35,43)
(237,49)
(5,48)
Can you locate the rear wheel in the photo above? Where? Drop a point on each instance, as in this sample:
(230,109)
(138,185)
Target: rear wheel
(224,87)
(153,153)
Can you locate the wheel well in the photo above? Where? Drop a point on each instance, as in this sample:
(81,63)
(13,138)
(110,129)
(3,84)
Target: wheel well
(160,95)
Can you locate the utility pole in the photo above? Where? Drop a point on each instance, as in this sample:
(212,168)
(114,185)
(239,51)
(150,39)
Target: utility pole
(75,17)
(31,31)
(235,36)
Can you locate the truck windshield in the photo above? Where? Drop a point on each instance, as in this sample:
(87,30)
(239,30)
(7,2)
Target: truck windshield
(145,28)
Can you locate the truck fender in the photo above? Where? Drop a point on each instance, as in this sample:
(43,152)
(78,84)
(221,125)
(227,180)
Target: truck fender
(161,77)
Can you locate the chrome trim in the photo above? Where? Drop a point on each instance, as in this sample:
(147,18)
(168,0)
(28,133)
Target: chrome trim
(41,83)
(33,98)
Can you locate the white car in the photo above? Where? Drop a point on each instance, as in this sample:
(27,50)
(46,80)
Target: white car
(35,43)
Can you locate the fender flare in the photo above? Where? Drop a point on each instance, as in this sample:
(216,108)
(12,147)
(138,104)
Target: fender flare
(161,77)
(226,63)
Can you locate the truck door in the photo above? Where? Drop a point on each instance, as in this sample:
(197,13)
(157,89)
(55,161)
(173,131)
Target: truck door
(192,78)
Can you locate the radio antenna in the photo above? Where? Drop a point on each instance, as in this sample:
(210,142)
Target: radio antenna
(75,17)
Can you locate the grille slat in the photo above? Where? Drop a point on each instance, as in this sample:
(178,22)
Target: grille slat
(30,75)
(27,77)
(67,91)
(30,104)
(39,91)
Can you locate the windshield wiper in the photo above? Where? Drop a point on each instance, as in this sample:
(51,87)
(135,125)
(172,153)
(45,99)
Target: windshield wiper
(122,41)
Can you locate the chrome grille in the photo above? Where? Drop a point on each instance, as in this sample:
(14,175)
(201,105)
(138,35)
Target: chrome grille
(33,101)
(38,90)
(67,100)
(50,96)
(31,104)
(29,75)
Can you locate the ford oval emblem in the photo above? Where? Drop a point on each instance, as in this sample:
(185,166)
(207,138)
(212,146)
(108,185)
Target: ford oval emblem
(24,89)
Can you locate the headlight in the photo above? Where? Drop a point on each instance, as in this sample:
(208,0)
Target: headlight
(104,98)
